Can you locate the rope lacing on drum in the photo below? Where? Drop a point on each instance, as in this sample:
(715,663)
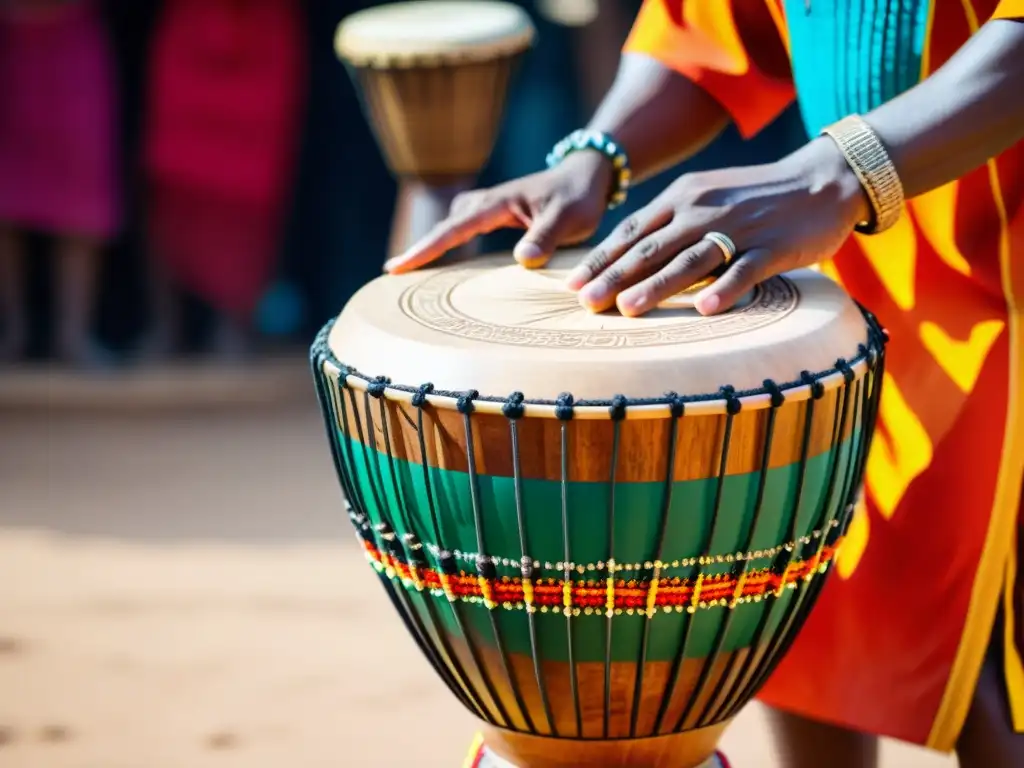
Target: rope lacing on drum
(870,355)
(382,535)
(564,407)
(465,401)
(420,398)
(617,410)
(676,404)
(733,404)
(448,566)
(387,535)
(487,571)
(376,387)
(775,393)
(514,410)
(382,520)
(844,368)
(485,567)
(817,388)
(513,407)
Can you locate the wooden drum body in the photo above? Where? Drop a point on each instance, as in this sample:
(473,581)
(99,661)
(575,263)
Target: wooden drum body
(433,76)
(610,574)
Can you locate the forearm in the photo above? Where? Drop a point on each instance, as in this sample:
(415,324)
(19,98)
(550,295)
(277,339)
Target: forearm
(964,114)
(657,115)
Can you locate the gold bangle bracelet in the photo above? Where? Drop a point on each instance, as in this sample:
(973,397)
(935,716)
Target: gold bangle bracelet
(867,157)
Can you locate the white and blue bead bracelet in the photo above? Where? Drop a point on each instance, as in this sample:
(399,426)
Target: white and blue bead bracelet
(599,142)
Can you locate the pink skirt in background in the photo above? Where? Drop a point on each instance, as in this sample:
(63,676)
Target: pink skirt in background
(225,99)
(218,247)
(58,118)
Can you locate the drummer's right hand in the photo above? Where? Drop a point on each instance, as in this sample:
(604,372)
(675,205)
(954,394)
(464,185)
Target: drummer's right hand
(556,207)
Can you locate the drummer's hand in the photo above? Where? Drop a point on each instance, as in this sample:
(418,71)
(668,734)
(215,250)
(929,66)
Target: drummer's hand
(788,214)
(556,207)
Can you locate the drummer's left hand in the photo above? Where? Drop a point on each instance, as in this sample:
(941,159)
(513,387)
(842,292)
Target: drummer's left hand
(784,215)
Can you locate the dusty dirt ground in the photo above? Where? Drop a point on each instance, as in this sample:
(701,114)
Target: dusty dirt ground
(180,589)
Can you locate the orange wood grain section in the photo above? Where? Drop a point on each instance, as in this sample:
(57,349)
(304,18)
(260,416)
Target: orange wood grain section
(643,443)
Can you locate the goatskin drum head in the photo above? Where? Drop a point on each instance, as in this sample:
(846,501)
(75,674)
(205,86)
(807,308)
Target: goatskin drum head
(495,327)
(400,34)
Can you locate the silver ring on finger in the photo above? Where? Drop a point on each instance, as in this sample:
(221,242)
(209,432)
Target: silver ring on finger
(724,243)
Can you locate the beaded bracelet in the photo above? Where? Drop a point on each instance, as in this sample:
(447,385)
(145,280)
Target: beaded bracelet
(606,145)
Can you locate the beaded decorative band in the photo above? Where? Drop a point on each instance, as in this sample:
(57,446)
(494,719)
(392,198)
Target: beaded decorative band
(868,158)
(474,559)
(609,596)
(580,140)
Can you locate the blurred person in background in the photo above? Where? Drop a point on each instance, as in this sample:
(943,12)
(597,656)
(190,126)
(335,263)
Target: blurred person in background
(225,104)
(919,634)
(58,167)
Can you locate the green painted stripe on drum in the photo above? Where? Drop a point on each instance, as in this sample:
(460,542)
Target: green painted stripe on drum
(637,515)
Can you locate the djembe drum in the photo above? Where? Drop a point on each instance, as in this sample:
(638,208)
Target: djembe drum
(433,77)
(603,573)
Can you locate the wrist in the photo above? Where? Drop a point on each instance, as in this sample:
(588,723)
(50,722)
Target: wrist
(593,169)
(596,142)
(826,171)
(868,158)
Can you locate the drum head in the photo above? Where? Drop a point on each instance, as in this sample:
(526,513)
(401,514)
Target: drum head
(492,326)
(442,30)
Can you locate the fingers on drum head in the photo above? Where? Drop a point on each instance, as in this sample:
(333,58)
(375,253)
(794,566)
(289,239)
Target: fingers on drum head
(625,236)
(458,229)
(692,265)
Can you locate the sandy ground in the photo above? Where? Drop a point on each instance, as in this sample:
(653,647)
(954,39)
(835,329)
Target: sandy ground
(180,589)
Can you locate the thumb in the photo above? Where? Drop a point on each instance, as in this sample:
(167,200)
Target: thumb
(542,237)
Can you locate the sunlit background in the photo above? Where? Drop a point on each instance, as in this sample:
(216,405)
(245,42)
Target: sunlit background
(179,585)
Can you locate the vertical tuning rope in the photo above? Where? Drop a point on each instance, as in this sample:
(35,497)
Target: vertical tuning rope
(486,570)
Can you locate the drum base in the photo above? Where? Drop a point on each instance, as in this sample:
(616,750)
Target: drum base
(481,757)
(692,749)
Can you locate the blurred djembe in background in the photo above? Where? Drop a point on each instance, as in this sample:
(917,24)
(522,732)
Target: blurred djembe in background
(434,77)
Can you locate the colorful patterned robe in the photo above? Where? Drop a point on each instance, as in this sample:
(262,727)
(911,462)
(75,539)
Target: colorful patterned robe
(897,641)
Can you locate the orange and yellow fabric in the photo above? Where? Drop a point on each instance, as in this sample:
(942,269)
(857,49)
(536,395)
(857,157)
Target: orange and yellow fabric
(897,640)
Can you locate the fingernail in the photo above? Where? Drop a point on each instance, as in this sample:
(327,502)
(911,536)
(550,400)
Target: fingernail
(594,293)
(631,303)
(528,253)
(576,279)
(708,303)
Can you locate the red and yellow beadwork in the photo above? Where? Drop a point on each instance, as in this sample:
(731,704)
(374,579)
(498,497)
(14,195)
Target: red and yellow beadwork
(618,596)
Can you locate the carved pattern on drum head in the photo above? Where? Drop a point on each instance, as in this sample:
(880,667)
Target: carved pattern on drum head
(528,309)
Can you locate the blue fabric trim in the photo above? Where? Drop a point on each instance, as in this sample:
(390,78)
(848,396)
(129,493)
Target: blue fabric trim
(853,55)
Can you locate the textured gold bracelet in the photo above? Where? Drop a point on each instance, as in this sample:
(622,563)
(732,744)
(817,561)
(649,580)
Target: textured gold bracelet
(866,156)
